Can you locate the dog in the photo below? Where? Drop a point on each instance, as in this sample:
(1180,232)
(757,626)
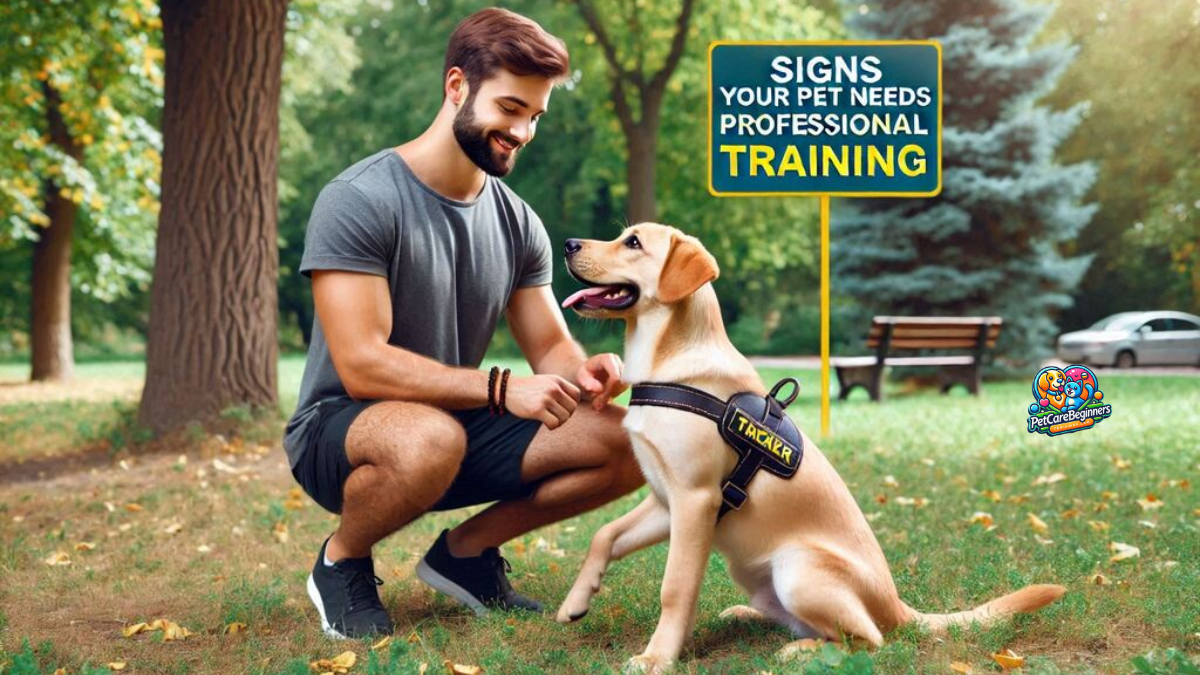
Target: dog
(1050,387)
(820,571)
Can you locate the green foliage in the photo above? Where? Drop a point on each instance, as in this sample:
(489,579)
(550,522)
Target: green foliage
(993,241)
(1169,662)
(98,64)
(1135,76)
(38,662)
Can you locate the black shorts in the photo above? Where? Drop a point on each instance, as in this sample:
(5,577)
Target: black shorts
(491,470)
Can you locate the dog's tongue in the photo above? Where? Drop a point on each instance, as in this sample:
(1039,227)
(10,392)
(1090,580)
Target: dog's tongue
(585,293)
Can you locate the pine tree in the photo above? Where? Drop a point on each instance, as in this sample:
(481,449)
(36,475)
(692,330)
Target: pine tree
(997,239)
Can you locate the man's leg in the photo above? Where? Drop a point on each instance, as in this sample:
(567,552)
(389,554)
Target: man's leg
(405,455)
(581,465)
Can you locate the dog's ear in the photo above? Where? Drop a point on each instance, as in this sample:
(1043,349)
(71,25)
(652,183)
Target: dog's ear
(688,267)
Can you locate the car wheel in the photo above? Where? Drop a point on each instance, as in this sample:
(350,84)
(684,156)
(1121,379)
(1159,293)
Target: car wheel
(1126,360)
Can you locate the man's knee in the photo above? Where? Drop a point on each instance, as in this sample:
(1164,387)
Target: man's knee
(419,446)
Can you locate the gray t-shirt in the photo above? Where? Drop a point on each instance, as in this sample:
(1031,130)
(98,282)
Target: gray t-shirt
(451,266)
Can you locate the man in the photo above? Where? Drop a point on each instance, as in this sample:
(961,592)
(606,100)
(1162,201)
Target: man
(414,253)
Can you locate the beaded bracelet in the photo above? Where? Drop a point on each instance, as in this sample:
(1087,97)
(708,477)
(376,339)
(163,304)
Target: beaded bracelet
(503,390)
(492,406)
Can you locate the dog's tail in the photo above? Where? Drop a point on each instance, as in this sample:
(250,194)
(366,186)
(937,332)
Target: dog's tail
(1027,599)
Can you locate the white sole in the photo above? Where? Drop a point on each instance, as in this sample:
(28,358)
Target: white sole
(315,596)
(441,584)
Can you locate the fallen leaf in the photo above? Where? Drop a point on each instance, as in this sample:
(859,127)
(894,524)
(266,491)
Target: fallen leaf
(115,665)
(960,667)
(424,667)
(1051,479)
(130,631)
(459,669)
(1100,580)
(992,495)
(1008,659)
(1098,525)
(85,546)
(234,628)
(58,559)
(387,640)
(1070,514)
(342,663)
(1123,551)
(1109,495)
(226,468)
(982,518)
(1150,503)
(1038,524)
(1121,464)
(890,481)
(281,532)
(413,638)
(1042,540)
(134,508)
(174,528)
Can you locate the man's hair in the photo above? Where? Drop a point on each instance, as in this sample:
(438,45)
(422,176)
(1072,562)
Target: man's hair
(495,38)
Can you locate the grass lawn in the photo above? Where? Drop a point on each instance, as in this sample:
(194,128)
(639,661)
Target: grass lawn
(217,536)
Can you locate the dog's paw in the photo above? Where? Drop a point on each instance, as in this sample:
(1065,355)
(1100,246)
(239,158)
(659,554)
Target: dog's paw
(797,647)
(574,608)
(742,613)
(649,664)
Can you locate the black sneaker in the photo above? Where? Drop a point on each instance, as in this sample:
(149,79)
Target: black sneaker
(478,582)
(345,595)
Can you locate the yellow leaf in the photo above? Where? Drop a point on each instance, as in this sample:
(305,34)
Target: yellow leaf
(58,559)
(991,494)
(1070,513)
(413,638)
(341,663)
(281,532)
(61,671)
(235,627)
(85,546)
(1121,464)
(1123,551)
(387,640)
(115,665)
(960,667)
(1051,479)
(1038,524)
(1008,660)
(134,507)
(1098,525)
(890,481)
(459,669)
(1100,580)
(1108,495)
(130,631)
(174,528)
(424,667)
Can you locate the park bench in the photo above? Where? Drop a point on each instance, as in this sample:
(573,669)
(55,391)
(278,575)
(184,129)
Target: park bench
(892,334)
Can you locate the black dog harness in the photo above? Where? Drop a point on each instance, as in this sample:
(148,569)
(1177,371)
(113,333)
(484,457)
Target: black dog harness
(754,426)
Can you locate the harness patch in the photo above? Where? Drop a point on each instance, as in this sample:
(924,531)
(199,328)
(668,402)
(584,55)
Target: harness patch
(763,438)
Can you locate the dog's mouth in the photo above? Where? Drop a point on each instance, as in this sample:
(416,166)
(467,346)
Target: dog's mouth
(601,296)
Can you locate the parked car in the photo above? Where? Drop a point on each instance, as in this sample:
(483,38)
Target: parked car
(1133,339)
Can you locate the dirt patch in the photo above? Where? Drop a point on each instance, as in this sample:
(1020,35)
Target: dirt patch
(79,389)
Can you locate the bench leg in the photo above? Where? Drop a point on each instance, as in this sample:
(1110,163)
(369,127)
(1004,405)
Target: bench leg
(970,377)
(868,377)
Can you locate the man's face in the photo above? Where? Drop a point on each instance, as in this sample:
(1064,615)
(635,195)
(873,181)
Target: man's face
(499,117)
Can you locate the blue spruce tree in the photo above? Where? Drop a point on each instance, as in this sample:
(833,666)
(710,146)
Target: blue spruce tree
(997,238)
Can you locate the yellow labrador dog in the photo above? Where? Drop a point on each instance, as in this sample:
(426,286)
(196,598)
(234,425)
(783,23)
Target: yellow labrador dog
(820,571)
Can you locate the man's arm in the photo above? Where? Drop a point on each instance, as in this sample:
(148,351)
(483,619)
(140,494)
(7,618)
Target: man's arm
(538,327)
(355,311)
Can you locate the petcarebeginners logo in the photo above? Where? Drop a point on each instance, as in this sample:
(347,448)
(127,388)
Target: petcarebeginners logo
(1066,400)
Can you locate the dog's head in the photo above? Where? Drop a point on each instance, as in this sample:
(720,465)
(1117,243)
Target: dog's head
(648,264)
(1051,381)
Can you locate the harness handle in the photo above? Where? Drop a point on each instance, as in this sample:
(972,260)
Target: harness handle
(783,403)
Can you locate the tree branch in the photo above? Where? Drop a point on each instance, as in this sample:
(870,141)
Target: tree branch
(677,44)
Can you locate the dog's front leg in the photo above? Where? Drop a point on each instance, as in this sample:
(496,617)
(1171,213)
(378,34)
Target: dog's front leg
(693,521)
(647,524)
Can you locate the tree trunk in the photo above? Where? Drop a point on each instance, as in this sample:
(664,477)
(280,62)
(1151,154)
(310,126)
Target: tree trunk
(51,353)
(212,339)
(640,171)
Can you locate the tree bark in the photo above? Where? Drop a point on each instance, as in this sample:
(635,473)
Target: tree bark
(212,340)
(640,169)
(52,354)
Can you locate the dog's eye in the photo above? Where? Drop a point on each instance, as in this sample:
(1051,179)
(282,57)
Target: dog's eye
(632,242)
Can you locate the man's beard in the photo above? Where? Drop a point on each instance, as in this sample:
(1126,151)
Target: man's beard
(476,142)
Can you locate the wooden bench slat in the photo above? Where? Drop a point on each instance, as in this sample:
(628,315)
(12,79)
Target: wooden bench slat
(965,320)
(929,360)
(901,331)
(928,343)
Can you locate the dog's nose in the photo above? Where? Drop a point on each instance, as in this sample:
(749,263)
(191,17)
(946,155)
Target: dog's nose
(573,246)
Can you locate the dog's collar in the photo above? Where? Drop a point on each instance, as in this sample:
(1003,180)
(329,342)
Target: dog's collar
(755,426)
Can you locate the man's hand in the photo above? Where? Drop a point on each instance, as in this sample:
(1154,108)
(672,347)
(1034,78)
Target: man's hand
(600,377)
(548,398)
